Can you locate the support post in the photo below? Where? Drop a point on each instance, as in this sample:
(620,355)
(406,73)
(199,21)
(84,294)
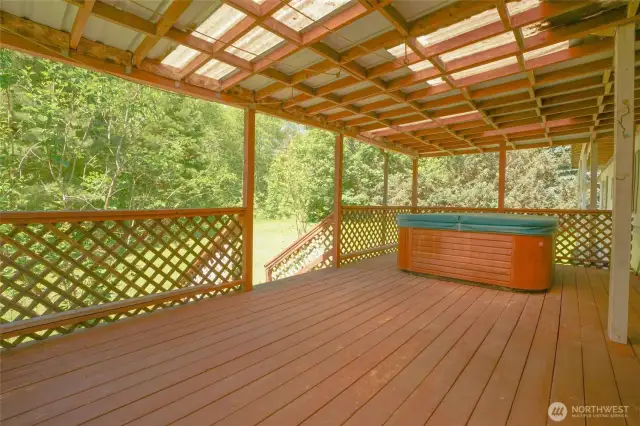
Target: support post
(582,170)
(623,133)
(337,199)
(502,175)
(414,186)
(593,201)
(385,177)
(248,184)
(385,196)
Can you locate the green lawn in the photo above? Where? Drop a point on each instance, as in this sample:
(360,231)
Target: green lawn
(269,239)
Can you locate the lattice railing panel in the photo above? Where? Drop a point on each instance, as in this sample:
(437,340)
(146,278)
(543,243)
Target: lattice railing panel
(70,262)
(309,253)
(368,231)
(583,238)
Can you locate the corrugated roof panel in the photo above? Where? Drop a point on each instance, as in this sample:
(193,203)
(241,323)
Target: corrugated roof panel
(196,14)
(54,13)
(480,46)
(546,50)
(105,32)
(287,93)
(220,21)
(256,82)
(470,24)
(215,69)
(151,10)
(412,9)
(254,43)
(180,56)
(421,66)
(359,31)
(299,14)
(486,67)
(298,61)
(311,102)
(353,88)
(520,6)
(161,48)
(326,77)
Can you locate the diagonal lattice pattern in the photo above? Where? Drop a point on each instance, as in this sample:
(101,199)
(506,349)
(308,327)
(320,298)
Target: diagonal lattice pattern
(58,266)
(583,236)
(309,253)
(368,232)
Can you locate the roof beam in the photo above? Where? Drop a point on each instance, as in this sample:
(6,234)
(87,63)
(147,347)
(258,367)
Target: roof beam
(80,22)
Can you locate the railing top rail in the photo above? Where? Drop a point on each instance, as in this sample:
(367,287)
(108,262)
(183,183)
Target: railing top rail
(300,241)
(26,217)
(374,207)
(493,209)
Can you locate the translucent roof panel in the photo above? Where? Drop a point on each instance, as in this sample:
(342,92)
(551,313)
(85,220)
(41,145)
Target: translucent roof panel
(299,14)
(400,50)
(180,56)
(470,24)
(521,6)
(254,43)
(220,21)
(215,69)
(435,81)
(486,67)
(480,46)
(421,66)
(546,50)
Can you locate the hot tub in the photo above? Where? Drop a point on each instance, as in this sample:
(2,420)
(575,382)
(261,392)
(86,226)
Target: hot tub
(499,249)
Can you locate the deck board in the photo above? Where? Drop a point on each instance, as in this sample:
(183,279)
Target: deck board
(363,345)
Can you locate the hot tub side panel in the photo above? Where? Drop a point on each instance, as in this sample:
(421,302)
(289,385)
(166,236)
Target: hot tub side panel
(521,262)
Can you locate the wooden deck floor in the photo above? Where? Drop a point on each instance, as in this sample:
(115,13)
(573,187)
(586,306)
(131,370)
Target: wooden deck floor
(365,345)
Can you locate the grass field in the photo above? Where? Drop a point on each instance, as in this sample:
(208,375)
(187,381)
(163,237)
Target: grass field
(270,238)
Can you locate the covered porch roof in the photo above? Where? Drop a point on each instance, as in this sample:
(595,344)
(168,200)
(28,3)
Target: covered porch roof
(427,78)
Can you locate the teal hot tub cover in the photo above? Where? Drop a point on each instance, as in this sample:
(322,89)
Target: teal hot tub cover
(482,222)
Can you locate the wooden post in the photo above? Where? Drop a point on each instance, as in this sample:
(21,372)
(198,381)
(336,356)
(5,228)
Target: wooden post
(414,186)
(385,177)
(582,165)
(623,133)
(248,183)
(337,199)
(502,174)
(593,201)
(385,196)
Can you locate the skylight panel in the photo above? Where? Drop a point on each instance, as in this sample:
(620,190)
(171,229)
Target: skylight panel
(435,81)
(521,6)
(400,50)
(486,67)
(470,24)
(480,46)
(254,43)
(421,66)
(216,25)
(558,47)
(180,56)
(299,14)
(215,69)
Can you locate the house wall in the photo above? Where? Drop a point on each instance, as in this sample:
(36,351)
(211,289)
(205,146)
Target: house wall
(606,202)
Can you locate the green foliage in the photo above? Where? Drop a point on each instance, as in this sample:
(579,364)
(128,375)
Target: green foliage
(75,139)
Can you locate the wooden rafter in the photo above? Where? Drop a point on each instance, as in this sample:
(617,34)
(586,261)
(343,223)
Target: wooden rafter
(458,115)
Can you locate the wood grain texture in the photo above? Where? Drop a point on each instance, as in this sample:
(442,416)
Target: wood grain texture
(366,344)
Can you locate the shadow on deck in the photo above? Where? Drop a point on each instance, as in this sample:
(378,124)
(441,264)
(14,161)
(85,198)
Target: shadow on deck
(363,345)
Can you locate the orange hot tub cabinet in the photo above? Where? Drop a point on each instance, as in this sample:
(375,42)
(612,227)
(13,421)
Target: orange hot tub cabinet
(521,262)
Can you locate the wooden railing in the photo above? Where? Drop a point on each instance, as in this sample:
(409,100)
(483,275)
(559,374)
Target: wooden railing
(583,237)
(310,252)
(64,271)
(368,231)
